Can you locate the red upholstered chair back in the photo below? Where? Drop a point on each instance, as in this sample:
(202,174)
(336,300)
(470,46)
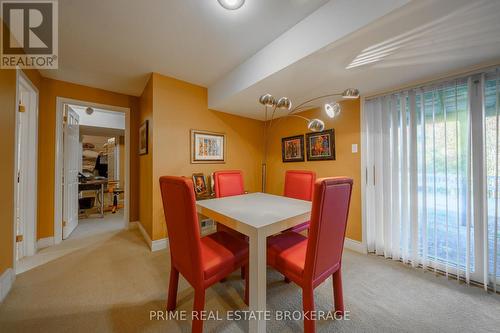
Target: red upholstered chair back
(228,183)
(182,225)
(299,184)
(330,209)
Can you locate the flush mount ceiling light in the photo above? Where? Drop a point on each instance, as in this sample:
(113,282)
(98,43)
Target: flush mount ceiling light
(231,4)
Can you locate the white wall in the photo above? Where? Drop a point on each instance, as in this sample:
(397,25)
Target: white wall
(100,118)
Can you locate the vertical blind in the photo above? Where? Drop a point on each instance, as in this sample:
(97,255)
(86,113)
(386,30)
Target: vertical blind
(420,180)
(492,129)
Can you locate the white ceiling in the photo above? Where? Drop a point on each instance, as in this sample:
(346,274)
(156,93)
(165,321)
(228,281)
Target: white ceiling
(430,37)
(100,118)
(101,131)
(115,44)
(294,48)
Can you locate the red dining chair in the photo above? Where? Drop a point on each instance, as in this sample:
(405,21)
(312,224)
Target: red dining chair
(203,261)
(227,184)
(308,261)
(299,184)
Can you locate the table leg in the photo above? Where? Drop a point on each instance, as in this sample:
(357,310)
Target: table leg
(102,200)
(258,281)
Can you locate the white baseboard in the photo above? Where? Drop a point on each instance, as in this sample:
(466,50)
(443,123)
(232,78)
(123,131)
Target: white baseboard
(355,246)
(45,242)
(6,282)
(159,244)
(156,245)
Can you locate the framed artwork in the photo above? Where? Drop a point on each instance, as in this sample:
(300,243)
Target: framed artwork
(208,147)
(200,185)
(320,145)
(143,138)
(292,149)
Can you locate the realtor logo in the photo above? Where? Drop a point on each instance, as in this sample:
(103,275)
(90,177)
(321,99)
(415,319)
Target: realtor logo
(29,34)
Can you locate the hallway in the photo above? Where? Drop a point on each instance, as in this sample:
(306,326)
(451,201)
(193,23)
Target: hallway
(101,229)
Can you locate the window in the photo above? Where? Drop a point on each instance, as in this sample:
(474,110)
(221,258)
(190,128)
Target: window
(420,178)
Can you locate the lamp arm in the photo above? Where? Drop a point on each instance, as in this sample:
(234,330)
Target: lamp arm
(286,116)
(312,100)
(302,108)
(272,117)
(296,115)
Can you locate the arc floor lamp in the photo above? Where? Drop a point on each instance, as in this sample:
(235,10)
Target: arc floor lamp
(332,110)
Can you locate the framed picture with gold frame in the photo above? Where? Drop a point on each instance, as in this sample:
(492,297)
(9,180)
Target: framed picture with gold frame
(200,185)
(208,147)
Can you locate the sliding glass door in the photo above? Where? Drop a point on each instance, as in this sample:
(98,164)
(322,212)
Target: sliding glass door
(427,202)
(445,235)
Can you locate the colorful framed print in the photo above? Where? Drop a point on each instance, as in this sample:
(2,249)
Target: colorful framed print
(292,149)
(143,138)
(208,147)
(200,185)
(320,145)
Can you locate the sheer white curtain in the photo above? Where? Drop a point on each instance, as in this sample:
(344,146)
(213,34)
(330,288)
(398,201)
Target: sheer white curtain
(492,134)
(419,177)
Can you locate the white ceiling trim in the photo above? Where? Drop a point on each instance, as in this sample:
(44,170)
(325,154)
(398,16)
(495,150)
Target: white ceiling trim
(331,22)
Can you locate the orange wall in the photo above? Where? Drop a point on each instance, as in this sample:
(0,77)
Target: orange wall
(175,107)
(7,139)
(178,107)
(146,162)
(49,91)
(347,132)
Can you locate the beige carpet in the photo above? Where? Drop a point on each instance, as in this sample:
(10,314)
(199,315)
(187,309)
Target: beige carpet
(114,283)
(88,232)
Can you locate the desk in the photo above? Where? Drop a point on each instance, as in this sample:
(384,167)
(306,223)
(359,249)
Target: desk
(257,215)
(96,185)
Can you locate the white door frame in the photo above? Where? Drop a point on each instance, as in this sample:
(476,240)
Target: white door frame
(58,199)
(31,172)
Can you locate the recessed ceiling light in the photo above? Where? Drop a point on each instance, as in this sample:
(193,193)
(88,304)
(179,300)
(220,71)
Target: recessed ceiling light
(231,4)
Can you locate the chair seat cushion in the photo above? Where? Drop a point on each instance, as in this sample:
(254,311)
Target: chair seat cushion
(221,251)
(286,253)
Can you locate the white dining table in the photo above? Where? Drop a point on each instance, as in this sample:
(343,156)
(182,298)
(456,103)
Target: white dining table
(257,215)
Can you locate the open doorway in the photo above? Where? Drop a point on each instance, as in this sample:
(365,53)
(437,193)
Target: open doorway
(92,169)
(25,179)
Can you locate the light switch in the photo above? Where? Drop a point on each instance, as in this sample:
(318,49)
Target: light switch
(355,148)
